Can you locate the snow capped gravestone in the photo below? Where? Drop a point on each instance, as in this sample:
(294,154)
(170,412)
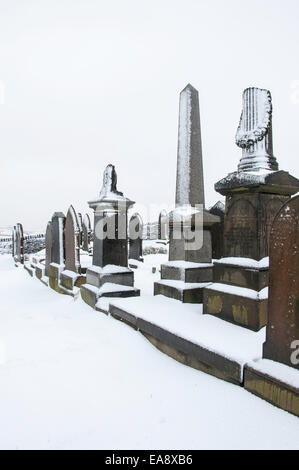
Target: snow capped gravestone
(163,226)
(276,377)
(48,248)
(57,264)
(19,244)
(135,237)
(86,233)
(72,241)
(217,230)
(109,274)
(71,276)
(190,243)
(80,223)
(14,235)
(283,311)
(254,194)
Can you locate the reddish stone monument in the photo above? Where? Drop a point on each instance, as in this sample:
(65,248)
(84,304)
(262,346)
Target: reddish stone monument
(275,378)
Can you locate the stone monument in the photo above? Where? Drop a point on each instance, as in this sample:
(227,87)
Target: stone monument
(57,264)
(217,230)
(254,194)
(163,226)
(135,237)
(190,247)
(71,276)
(267,377)
(109,275)
(86,233)
(19,244)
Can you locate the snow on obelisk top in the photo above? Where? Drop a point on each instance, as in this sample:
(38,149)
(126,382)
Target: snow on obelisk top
(189,183)
(254,134)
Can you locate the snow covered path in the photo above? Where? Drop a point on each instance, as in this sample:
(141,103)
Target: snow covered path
(75,378)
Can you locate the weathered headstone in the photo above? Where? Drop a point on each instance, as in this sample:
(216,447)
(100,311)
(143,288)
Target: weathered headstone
(254,194)
(190,245)
(86,233)
(57,264)
(72,242)
(110,245)
(283,310)
(217,230)
(19,244)
(163,226)
(80,223)
(48,248)
(276,377)
(14,235)
(58,223)
(135,237)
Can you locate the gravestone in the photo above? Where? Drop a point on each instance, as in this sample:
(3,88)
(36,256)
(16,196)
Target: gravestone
(80,223)
(109,274)
(57,264)
(276,377)
(86,233)
(254,194)
(57,224)
(190,244)
(163,226)
(48,248)
(217,230)
(72,242)
(14,235)
(19,244)
(283,314)
(135,237)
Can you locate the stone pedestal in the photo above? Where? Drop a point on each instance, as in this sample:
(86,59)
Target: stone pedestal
(190,241)
(254,195)
(109,272)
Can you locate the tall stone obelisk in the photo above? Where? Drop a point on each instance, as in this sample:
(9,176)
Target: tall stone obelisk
(189,180)
(190,244)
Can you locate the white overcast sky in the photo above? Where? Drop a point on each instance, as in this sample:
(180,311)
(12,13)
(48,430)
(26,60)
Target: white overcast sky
(93,82)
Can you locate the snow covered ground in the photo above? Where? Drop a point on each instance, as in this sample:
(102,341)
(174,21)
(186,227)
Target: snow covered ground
(74,378)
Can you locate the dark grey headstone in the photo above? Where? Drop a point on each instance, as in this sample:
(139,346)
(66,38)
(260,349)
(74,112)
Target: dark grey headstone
(57,223)
(48,248)
(135,237)
(86,233)
(72,241)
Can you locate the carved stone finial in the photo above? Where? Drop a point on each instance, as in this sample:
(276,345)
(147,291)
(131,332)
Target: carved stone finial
(254,134)
(109,183)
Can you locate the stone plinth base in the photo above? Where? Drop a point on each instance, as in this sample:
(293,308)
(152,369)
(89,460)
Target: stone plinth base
(70,279)
(54,272)
(239,305)
(254,277)
(187,272)
(91,294)
(267,380)
(97,276)
(179,290)
(39,271)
